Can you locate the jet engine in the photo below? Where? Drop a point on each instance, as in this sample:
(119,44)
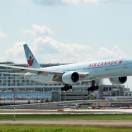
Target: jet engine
(118,80)
(70,77)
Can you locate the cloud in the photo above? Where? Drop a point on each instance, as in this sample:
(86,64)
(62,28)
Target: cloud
(64,2)
(39,30)
(3,35)
(48,2)
(78,2)
(114,52)
(49,50)
(16,53)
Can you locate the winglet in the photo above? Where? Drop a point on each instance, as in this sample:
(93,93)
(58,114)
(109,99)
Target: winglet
(31,60)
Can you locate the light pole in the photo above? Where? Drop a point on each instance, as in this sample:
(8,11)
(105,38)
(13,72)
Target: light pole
(14,102)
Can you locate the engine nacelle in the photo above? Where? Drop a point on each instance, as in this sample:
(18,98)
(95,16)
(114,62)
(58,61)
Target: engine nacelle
(70,77)
(118,80)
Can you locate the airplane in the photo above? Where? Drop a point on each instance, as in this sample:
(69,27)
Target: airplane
(116,70)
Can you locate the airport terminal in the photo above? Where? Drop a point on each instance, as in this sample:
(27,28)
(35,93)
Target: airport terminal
(83,82)
(15,88)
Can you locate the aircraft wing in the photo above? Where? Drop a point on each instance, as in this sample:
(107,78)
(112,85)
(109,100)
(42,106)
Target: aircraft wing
(32,70)
(56,76)
(37,70)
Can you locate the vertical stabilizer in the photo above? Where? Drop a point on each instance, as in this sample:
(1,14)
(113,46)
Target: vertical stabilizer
(31,60)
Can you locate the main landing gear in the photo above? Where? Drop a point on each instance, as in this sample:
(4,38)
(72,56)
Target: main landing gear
(66,87)
(93,87)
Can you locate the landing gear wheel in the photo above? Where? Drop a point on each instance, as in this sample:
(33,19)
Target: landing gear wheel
(66,87)
(93,87)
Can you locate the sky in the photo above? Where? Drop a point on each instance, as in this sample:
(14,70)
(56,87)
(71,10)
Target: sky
(65,31)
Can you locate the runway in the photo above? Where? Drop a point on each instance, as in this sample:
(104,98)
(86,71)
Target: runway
(115,123)
(65,111)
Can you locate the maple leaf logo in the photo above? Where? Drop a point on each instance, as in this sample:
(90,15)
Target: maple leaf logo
(30,61)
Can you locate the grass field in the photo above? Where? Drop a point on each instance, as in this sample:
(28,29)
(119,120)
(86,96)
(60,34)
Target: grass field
(64,128)
(60,128)
(68,116)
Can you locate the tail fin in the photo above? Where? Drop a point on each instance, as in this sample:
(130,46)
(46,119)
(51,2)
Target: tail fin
(31,60)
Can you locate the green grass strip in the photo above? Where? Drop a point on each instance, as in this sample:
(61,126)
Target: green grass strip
(60,128)
(67,116)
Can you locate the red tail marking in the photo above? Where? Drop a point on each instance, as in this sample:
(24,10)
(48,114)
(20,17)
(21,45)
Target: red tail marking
(30,61)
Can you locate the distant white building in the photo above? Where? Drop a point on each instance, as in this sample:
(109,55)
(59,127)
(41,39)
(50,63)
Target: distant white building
(14,85)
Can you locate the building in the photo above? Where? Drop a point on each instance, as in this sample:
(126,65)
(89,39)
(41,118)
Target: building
(14,86)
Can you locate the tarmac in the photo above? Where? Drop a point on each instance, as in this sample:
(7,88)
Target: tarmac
(66,111)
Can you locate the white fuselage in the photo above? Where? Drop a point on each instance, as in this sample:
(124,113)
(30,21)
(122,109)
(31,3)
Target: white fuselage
(95,70)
